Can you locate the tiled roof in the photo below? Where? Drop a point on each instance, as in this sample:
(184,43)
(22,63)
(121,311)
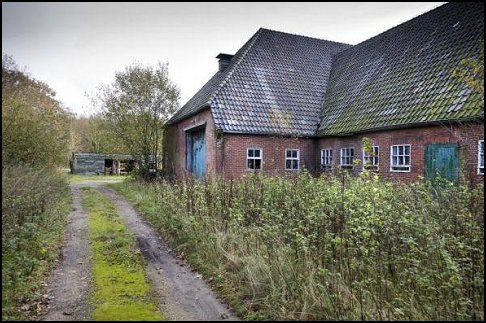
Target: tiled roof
(405,75)
(277,87)
(199,101)
(280,83)
(202,98)
(275,84)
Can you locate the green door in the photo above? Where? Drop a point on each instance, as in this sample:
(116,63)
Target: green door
(442,160)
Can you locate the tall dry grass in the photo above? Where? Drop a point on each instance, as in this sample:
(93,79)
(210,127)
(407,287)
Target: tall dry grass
(332,248)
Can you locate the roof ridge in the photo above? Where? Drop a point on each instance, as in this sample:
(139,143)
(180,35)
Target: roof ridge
(235,65)
(304,36)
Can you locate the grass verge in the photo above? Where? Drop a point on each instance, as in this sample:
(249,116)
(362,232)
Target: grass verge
(121,289)
(35,205)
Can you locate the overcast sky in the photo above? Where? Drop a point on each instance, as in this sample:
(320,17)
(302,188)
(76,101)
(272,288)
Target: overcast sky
(74,47)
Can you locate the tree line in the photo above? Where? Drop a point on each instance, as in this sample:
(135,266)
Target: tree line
(131,111)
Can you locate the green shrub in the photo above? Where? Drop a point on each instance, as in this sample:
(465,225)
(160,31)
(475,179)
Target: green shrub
(35,203)
(330,247)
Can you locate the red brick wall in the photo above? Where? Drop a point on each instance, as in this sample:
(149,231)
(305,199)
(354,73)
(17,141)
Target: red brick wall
(175,144)
(226,153)
(234,153)
(466,135)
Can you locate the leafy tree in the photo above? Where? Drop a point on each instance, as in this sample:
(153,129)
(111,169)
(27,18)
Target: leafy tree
(95,135)
(35,127)
(137,104)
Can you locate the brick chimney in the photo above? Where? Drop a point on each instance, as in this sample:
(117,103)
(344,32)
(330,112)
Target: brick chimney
(224,61)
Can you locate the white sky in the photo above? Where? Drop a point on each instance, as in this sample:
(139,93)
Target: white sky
(74,47)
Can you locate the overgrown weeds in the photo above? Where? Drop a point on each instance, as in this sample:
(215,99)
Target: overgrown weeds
(356,248)
(35,204)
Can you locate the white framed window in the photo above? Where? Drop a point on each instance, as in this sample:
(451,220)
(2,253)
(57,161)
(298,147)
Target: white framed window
(254,158)
(347,158)
(326,159)
(400,158)
(371,161)
(292,159)
(481,157)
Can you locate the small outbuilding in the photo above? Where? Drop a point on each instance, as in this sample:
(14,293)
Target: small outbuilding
(107,164)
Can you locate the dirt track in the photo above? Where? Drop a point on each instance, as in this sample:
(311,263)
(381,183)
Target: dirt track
(70,283)
(182,294)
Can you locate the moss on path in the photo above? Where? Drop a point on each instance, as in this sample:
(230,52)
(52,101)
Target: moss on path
(121,289)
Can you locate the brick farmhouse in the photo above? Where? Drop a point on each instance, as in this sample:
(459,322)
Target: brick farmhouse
(285,102)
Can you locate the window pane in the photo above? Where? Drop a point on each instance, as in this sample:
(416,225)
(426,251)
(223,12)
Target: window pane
(394,160)
(258,164)
(481,154)
(407,160)
(327,161)
(400,160)
(294,153)
(400,150)
(376,150)
(288,164)
(257,152)
(407,150)
(250,153)
(351,152)
(395,150)
(251,163)
(295,164)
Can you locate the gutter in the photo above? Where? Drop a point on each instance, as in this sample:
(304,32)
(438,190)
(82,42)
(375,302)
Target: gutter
(268,134)
(402,126)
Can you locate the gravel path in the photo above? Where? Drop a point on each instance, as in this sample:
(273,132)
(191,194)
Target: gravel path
(183,295)
(69,286)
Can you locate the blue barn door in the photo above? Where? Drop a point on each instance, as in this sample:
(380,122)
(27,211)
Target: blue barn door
(442,160)
(196,153)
